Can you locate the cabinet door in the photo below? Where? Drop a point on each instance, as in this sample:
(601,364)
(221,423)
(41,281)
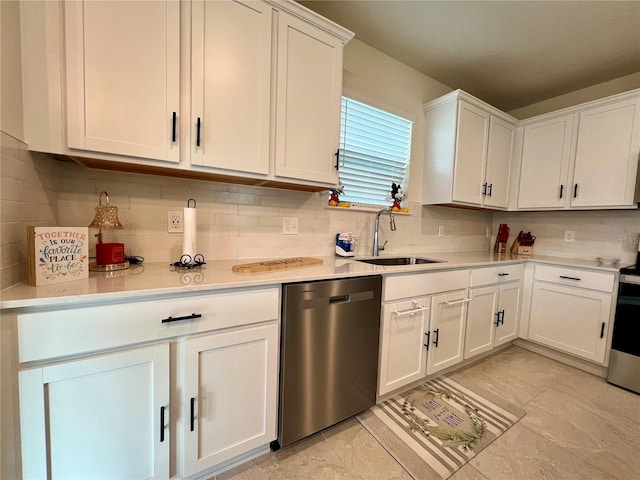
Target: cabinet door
(481,321)
(308,91)
(471,151)
(230,395)
(607,156)
(448,314)
(231,85)
(545,164)
(123,73)
(402,345)
(509,305)
(573,320)
(498,167)
(102,417)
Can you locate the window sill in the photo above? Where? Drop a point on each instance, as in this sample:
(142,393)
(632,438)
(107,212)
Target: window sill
(364,207)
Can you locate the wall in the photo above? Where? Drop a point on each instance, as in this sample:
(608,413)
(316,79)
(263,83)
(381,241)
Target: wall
(618,85)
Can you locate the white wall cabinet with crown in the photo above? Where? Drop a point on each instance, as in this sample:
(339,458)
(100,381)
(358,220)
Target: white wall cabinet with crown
(245,92)
(468,152)
(583,157)
(422,327)
(143,389)
(494,310)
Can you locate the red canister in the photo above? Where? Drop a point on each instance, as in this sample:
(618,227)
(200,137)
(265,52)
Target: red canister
(109,253)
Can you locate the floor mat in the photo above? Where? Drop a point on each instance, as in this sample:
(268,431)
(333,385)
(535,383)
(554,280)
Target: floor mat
(435,428)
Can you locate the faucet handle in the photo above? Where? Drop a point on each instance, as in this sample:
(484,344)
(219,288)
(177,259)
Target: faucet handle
(382,247)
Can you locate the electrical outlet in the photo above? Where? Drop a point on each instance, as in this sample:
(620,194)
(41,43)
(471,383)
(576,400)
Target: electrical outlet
(289,225)
(175,222)
(569,235)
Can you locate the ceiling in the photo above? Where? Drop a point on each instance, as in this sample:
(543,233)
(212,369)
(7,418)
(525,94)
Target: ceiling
(507,53)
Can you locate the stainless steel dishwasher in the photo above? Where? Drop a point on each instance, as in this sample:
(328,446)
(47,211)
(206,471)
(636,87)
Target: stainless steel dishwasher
(329,355)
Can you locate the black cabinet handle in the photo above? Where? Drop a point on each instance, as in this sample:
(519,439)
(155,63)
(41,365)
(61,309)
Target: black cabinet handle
(484,189)
(490,187)
(501,317)
(177,319)
(174,127)
(192,421)
(428,334)
(561,191)
(437,332)
(337,154)
(570,278)
(575,190)
(497,314)
(198,132)
(162,424)
(602,331)
(503,274)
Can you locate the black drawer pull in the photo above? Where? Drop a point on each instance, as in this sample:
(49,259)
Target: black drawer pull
(177,319)
(602,331)
(193,418)
(503,274)
(570,278)
(162,424)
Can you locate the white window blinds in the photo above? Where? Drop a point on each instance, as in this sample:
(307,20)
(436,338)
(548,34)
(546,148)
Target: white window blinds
(375,152)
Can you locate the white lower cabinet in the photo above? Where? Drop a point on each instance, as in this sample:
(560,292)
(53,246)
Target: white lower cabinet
(448,315)
(570,319)
(493,317)
(230,395)
(571,310)
(102,417)
(421,333)
(404,336)
(93,404)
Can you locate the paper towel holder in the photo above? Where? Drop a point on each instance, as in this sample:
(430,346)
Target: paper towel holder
(189,261)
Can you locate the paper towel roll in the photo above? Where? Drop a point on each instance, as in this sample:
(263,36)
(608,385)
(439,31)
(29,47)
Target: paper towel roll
(189,236)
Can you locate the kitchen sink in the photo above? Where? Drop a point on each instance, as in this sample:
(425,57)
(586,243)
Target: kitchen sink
(398,260)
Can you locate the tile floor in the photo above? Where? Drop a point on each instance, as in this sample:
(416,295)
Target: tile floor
(576,426)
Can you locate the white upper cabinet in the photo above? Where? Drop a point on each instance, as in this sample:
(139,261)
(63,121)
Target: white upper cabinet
(468,152)
(607,155)
(545,163)
(308,91)
(231,85)
(123,77)
(238,91)
(582,157)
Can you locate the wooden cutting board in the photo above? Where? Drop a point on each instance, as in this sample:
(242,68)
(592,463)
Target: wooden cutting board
(279,264)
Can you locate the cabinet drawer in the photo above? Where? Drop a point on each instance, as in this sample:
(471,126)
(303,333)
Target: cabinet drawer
(493,275)
(415,284)
(576,277)
(74,331)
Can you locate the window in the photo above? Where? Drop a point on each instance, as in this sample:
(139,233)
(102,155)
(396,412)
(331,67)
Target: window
(375,151)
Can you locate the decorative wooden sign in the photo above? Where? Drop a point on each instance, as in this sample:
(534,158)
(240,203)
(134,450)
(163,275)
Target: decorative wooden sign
(57,254)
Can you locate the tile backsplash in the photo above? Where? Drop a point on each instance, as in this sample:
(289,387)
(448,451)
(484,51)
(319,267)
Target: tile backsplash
(245,222)
(234,221)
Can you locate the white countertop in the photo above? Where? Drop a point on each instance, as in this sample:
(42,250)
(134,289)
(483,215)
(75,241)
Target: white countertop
(152,279)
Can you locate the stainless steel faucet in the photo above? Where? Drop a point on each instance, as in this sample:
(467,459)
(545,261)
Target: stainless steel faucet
(392,226)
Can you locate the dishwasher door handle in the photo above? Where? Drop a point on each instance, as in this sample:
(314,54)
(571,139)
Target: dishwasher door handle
(339,299)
